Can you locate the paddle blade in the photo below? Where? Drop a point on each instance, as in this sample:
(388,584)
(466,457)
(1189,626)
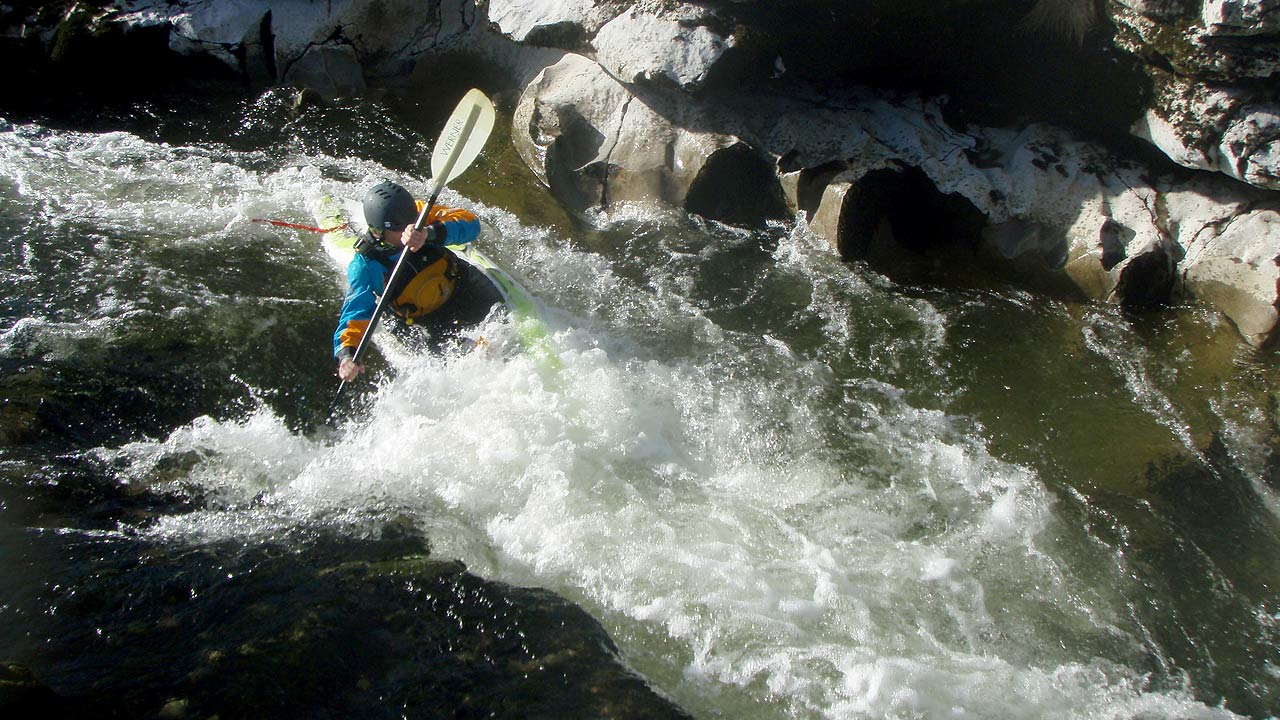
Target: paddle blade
(463,137)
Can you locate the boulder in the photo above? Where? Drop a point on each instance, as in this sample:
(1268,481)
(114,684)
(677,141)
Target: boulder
(594,143)
(1224,130)
(218,29)
(554,23)
(1202,40)
(1118,233)
(675,47)
(867,215)
(1241,17)
(338,45)
(1232,246)
(1210,64)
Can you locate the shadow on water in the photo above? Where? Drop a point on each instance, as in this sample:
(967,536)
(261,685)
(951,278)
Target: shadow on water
(1144,466)
(1207,558)
(305,625)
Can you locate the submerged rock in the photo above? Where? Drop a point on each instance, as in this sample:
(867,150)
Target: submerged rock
(304,625)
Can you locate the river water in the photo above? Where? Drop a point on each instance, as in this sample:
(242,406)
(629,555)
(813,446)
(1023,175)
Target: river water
(784,485)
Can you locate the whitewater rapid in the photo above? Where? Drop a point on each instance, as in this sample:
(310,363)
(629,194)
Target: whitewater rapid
(764,519)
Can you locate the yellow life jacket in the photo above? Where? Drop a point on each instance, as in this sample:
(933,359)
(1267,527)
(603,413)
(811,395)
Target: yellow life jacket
(430,288)
(433,271)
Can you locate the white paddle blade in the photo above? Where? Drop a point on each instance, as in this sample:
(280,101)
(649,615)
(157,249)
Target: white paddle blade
(463,137)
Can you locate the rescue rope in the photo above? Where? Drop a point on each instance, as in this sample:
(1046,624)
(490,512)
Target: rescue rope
(295,226)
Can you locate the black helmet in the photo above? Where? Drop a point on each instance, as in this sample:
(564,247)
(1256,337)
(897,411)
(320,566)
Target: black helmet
(387,206)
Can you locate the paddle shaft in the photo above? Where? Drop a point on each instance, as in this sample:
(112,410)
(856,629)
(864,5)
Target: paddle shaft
(421,222)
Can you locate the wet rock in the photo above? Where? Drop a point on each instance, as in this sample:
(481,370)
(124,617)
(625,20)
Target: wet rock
(176,709)
(828,220)
(1021,238)
(898,207)
(312,624)
(738,186)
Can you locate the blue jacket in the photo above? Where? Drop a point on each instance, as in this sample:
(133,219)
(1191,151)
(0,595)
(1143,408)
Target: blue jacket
(367,277)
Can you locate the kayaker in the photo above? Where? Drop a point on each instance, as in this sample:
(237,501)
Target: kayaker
(433,281)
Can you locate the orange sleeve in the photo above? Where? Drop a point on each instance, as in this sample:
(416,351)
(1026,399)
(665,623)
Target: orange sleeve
(446,214)
(350,336)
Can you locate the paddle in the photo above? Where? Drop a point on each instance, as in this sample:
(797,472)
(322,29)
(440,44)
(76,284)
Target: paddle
(462,139)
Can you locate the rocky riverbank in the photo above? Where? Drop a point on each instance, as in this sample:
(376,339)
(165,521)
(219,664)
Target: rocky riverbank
(1130,147)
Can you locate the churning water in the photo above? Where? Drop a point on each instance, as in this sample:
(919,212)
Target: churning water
(785,485)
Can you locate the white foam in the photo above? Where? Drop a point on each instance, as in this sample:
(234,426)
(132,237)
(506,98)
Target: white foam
(654,493)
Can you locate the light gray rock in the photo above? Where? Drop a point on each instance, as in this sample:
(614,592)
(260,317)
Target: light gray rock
(825,219)
(1118,235)
(1232,248)
(334,41)
(674,48)
(213,28)
(1163,8)
(1209,113)
(1218,129)
(1207,45)
(542,21)
(1241,17)
(594,144)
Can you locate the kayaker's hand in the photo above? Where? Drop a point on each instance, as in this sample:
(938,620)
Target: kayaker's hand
(348,370)
(416,238)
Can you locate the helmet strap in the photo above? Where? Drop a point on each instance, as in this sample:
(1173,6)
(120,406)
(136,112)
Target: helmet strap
(368,244)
